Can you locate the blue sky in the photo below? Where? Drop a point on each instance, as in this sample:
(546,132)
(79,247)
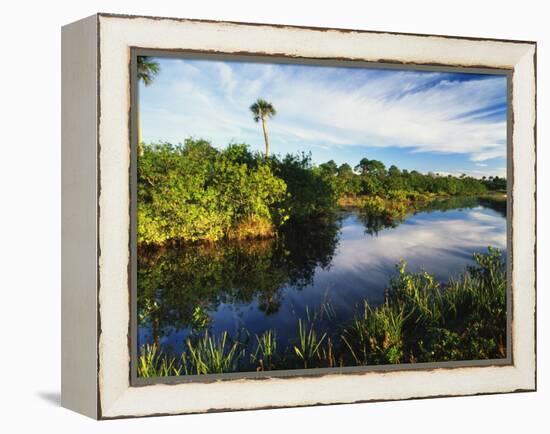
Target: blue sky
(428,121)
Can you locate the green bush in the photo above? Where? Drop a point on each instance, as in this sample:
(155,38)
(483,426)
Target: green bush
(195,192)
(312,191)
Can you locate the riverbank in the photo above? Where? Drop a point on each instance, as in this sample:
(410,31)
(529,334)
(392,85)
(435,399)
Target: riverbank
(198,192)
(420,320)
(397,204)
(497,201)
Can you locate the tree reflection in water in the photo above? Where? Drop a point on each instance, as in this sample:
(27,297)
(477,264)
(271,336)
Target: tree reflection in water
(375,223)
(177,284)
(181,287)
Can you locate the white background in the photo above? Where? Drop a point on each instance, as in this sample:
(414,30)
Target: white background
(30,216)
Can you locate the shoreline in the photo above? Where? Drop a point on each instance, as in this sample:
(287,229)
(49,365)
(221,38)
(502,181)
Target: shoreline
(420,320)
(374,205)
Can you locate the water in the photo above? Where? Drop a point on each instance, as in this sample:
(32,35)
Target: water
(269,284)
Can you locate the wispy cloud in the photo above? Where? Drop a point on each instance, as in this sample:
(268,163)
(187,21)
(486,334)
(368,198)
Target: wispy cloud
(320,107)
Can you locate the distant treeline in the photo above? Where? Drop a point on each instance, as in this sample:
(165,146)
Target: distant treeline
(370,177)
(195,192)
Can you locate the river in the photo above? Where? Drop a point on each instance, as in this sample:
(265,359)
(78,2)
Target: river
(247,288)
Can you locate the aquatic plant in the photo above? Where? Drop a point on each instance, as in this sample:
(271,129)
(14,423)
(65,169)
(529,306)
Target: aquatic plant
(423,320)
(152,362)
(211,355)
(266,351)
(419,293)
(420,320)
(308,345)
(376,336)
(328,354)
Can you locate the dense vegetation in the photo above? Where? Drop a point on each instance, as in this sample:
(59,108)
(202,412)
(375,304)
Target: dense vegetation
(230,226)
(179,284)
(420,320)
(195,192)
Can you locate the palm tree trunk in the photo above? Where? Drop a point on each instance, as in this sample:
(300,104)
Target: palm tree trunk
(265,137)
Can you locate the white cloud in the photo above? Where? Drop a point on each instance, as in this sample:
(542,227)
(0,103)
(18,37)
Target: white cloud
(327,106)
(489,153)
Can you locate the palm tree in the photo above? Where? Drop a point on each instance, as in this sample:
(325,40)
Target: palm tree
(147,70)
(262,109)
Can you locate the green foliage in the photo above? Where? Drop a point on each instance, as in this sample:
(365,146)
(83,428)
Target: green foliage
(312,191)
(204,355)
(262,109)
(265,354)
(426,322)
(348,183)
(195,192)
(154,363)
(371,167)
(211,355)
(308,346)
(421,320)
(388,209)
(376,337)
(147,69)
(180,285)
(495,183)
(200,319)
(372,178)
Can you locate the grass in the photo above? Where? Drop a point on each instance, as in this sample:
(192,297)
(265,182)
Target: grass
(420,320)
(266,351)
(308,346)
(252,228)
(153,362)
(211,355)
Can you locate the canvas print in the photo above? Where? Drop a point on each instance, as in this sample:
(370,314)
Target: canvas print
(299,216)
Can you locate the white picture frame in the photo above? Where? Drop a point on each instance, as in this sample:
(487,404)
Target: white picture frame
(96,244)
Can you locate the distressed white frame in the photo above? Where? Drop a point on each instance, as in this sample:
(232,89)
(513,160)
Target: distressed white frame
(112,395)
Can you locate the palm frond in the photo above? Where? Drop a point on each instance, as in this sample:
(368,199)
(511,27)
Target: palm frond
(262,108)
(147,69)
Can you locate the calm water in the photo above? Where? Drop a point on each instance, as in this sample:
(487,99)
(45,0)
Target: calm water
(268,284)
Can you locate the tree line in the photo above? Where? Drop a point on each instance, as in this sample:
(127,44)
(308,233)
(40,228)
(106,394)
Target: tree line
(370,177)
(195,192)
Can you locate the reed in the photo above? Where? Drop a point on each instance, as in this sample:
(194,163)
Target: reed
(153,362)
(307,348)
(211,355)
(420,320)
(266,351)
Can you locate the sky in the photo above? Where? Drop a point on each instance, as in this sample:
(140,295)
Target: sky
(441,122)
